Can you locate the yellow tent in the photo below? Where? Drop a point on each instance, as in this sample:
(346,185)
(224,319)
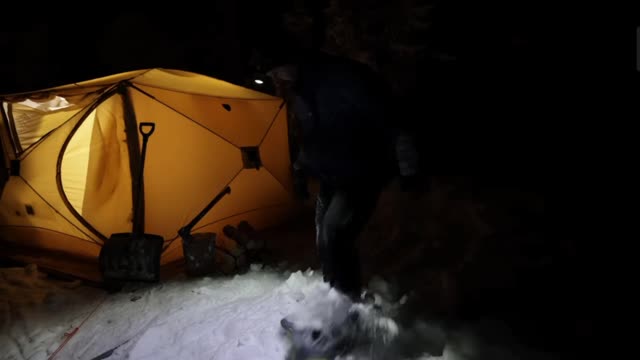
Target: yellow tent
(72,151)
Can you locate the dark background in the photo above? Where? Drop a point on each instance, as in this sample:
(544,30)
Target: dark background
(491,40)
(474,80)
(468,72)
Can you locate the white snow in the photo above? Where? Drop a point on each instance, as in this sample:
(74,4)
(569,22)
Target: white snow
(229,318)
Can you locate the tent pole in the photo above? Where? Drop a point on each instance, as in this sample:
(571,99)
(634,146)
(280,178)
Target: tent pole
(133,143)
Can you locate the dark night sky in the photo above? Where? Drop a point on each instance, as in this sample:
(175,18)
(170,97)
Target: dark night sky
(46,50)
(497,83)
(47,47)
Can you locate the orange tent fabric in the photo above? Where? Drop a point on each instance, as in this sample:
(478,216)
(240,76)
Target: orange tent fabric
(72,160)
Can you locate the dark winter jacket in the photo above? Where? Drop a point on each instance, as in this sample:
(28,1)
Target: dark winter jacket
(345,116)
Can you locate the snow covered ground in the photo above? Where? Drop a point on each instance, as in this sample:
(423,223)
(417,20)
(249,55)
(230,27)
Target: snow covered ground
(230,318)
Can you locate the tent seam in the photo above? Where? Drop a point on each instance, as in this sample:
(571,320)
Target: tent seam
(226,218)
(185,116)
(241,213)
(227,184)
(273,98)
(47,229)
(57,211)
(273,121)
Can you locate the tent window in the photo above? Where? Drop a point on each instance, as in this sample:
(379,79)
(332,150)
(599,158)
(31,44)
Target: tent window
(32,119)
(251,157)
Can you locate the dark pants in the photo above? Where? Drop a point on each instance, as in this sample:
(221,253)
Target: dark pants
(341,214)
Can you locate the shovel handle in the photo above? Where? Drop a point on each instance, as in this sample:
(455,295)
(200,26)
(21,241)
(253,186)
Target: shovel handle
(150,125)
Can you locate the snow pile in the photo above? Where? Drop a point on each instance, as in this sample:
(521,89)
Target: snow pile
(36,312)
(230,318)
(209,318)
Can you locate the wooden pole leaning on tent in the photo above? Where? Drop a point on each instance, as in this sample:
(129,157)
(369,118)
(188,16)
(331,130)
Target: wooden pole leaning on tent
(199,249)
(133,256)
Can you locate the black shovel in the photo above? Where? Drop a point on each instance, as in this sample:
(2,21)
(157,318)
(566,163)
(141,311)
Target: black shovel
(133,256)
(199,249)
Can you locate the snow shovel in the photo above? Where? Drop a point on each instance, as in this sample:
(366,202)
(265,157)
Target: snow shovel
(133,256)
(199,249)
